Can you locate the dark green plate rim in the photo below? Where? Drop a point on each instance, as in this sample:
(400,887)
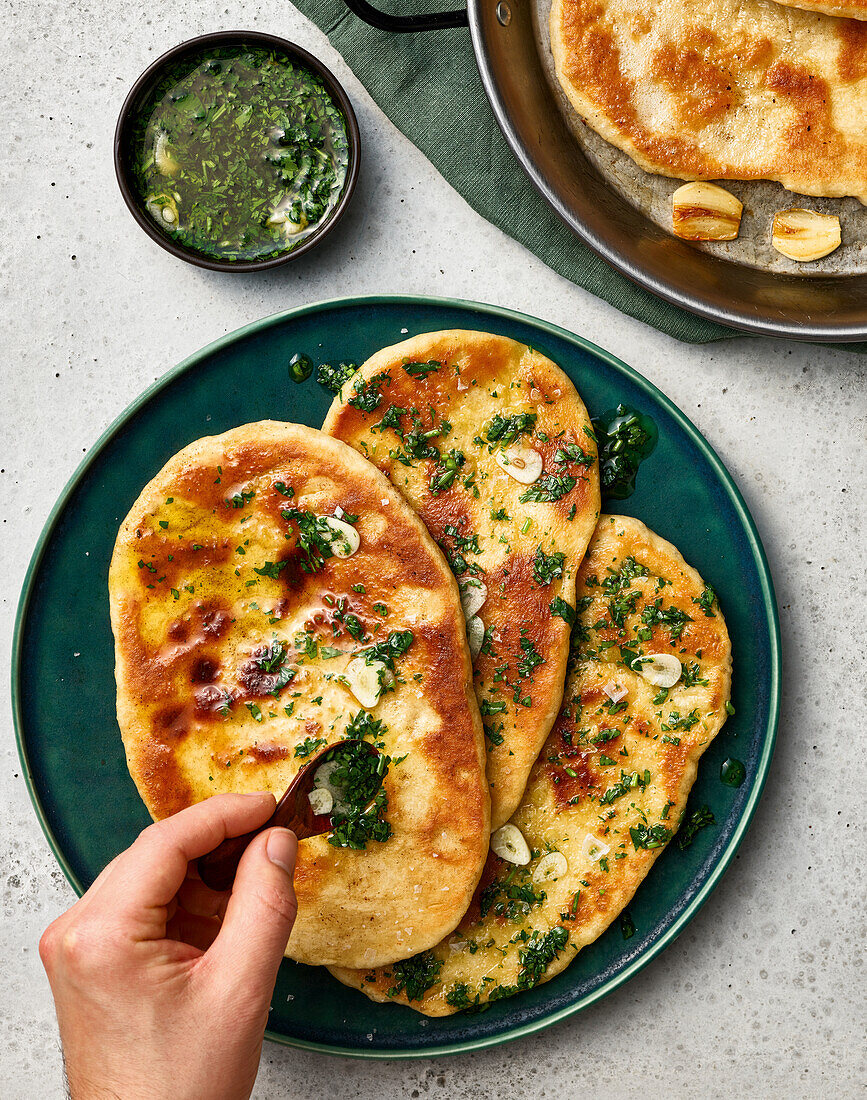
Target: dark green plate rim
(725,480)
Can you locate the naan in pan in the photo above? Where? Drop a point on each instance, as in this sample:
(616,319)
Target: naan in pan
(736,89)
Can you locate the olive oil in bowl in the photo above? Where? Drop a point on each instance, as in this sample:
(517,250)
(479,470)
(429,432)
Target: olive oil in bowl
(238,153)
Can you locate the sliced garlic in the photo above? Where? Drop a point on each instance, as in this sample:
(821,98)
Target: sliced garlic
(164,159)
(475,635)
(660,669)
(345,540)
(365,680)
(473,595)
(163,208)
(705,212)
(321,800)
(521,462)
(508,843)
(805,235)
(550,867)
(594,848)
(322,782)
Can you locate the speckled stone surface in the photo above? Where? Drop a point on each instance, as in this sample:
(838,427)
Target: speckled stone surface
(763,994)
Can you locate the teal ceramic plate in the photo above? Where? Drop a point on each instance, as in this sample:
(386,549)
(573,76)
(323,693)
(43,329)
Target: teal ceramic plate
(63,679)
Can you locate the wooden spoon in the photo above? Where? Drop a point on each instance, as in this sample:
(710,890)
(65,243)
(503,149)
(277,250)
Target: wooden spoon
(217,869)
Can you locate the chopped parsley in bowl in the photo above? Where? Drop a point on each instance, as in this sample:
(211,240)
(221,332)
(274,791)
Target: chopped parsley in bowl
(237,151)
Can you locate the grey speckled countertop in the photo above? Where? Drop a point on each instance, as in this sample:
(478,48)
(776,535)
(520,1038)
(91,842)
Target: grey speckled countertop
(762,996)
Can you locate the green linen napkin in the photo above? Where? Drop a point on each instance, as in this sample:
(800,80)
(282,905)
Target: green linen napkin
(429,86)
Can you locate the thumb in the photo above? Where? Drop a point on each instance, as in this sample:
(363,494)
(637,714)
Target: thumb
(259,916)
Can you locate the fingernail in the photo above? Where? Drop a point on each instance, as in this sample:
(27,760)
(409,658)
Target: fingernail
(281,848)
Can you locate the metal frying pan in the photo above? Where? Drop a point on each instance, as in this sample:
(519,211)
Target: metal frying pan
(589,195)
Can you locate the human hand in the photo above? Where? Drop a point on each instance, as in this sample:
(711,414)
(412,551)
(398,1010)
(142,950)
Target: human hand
(162,986)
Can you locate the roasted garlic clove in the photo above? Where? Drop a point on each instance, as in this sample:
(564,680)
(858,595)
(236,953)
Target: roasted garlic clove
(805,235)
(164,158)
(705,212)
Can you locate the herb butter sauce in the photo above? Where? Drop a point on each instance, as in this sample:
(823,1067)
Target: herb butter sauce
(625,438)
(240,155)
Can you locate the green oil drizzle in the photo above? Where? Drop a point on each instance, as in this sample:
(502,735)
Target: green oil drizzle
(732,772)
(239,154)
(300,367)
(625,438)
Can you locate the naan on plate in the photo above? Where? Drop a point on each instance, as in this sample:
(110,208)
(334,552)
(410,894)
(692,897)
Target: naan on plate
(736,89)
(489,442)
(609,788)
(272,593)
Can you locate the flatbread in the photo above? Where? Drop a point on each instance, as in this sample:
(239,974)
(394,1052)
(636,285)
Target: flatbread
(442,393)
(736,89)
(231,641)
(855,9)
(608,790)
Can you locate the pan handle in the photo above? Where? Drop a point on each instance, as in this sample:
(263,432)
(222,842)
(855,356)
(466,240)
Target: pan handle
(403,24)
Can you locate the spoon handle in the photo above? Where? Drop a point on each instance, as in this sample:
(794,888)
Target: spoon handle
(217,869)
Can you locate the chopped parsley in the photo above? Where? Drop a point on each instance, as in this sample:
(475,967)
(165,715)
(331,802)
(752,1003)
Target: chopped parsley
(672,617)
(447,470)
(272,569)
(571,452)
(421,370)
(461,545)
(392,419)
(549,487)
(677,721)
(628,782)
(563,610)
(512,897)
(698,819)
(309,745)
(649,837)
(314,538)
(415,976)
(459,996)
(366,395)
(397,643)
(546,567)
(540,952)
(706,601)
(531,658)
(363,725)
(364,802)
(333,378)
(506,429)
(242,498)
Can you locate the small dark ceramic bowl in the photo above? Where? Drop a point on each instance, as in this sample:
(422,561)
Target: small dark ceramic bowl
(137,97)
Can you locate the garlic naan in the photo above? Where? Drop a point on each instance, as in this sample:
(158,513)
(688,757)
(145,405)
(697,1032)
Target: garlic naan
(491,445)
(265,584)
(609,788)
(734,89)
(854,9)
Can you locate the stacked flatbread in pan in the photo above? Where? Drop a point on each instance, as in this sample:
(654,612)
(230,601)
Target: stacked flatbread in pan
(430,573)
(726,89)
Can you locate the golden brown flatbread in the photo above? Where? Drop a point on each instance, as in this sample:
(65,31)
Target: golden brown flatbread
(848,9)
(489,442)
(245,640)
(609,788)
(737,89)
